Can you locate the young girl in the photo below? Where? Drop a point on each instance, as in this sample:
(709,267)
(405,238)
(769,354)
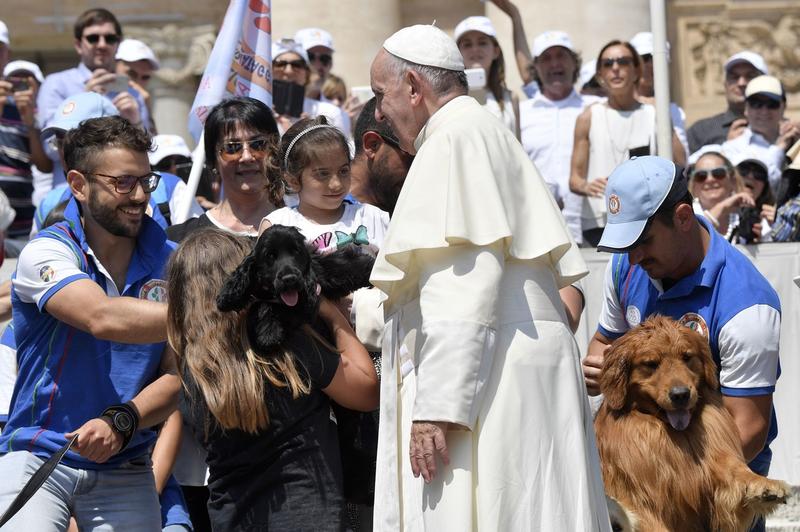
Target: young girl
(273,453)
(315,158)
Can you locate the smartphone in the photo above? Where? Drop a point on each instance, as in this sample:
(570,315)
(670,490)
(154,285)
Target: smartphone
(363,93)
(120,84)
(476,78)
(18,84)
(287,98)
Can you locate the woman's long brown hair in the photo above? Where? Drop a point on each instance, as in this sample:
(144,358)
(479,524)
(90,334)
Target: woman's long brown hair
(212,346)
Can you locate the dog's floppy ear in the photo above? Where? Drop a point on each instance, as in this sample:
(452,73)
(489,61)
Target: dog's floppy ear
(709,367)
(616,373)
(342,272)
(235,293)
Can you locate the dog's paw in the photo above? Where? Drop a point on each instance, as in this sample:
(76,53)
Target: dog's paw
(764,495)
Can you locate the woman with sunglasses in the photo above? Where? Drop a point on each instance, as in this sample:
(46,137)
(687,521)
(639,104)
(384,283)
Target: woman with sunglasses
(240,139)
(717,190)
(290,64)
(609,133)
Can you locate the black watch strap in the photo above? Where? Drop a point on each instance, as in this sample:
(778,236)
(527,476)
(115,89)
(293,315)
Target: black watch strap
(124,420)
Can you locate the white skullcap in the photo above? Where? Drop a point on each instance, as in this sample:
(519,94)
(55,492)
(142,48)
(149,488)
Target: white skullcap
(427,45)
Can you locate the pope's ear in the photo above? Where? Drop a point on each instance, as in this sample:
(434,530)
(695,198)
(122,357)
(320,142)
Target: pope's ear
(77,184)
(415,85)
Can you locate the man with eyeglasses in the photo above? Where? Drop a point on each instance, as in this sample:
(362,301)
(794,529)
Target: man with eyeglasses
(739,69)
(767,136)
(89,318)
(97,35)
(318,44)
(667,260)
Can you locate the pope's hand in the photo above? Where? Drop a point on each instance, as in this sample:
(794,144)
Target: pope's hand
(427,440)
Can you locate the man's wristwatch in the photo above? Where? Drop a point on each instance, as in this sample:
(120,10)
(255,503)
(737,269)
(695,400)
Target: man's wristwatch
(124,420)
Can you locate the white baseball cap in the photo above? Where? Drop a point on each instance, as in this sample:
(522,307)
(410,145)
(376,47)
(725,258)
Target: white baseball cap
(747,57)
(284,46)
(132,50)
(4,34)
(642,42)
(549,39)
(23,66)
(479,24)
(767,85)
(166,145)
(311,37)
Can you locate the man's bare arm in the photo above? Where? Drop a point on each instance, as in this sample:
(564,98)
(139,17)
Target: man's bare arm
(752,416)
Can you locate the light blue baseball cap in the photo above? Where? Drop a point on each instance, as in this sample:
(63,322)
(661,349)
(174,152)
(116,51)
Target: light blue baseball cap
(636,189)
(77,108)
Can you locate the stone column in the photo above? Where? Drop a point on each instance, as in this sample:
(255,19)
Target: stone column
(183,52)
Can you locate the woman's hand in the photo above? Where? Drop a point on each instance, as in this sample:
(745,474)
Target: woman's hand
(768,213)
(596,187)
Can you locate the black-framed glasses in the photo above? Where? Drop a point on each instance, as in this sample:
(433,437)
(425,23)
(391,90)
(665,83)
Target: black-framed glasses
(759,103)
(719,172)
(124,184)
(232,149)
(110,38)
(623,61)
(296,64)
(325,59)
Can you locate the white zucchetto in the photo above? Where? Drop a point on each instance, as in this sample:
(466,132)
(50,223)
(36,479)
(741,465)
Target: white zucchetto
(427,45)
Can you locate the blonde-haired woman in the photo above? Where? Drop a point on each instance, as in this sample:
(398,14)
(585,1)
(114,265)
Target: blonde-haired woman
(273,452)
(718,192)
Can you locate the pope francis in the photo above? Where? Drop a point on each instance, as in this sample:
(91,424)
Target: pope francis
(482,393)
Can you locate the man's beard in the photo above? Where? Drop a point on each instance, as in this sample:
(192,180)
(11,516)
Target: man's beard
(385,185)
(107,218)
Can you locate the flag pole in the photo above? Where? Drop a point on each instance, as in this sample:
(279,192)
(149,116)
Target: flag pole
(198,161)
(658,25)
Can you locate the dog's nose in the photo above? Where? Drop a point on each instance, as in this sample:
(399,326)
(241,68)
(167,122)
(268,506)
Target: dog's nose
(679,395)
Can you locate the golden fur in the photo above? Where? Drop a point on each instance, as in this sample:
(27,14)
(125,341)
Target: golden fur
(693,479)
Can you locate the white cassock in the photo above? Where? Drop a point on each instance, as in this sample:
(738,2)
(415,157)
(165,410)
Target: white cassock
(476,335)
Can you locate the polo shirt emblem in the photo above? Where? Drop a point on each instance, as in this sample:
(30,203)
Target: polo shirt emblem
(633,316)
(154,290)
(46,273)
(695,322)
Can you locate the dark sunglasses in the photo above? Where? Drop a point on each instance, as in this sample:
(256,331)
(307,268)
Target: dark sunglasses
(325,59)
(296,64)
(232,150)
(758,103)
(94,38)
(621,61)
(124,184)
(719,172)
(753,170)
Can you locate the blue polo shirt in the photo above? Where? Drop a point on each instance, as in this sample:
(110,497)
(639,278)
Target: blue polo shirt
(66,376)
(727,300)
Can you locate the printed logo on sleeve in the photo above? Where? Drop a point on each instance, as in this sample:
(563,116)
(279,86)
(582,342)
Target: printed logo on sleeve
(695,322)
(154,290)
(46,273)
(633,316)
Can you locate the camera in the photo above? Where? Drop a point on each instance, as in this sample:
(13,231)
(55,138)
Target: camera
(747,218)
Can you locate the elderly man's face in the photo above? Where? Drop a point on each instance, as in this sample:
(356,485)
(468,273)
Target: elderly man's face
(392,101)
(736,79)
(555,68)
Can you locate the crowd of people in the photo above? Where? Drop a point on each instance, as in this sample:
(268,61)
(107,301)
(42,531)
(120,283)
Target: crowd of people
(457,366)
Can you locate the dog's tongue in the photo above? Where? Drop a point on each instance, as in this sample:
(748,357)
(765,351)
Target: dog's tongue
(289,297)
(679,419)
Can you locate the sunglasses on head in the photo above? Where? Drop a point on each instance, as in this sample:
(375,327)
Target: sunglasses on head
(621,61)
(233,149)
(94,38)
(719,172)
(296,64)
(758,103)
(325,59)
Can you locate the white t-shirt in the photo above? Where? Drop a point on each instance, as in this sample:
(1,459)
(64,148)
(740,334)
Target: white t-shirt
(361,224)
(547,131)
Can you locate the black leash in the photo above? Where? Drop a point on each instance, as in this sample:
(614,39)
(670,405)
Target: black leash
(35,482)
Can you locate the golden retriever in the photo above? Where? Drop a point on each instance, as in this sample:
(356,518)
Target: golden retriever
(670,451)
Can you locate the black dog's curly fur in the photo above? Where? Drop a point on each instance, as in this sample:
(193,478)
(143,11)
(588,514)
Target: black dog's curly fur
(280,263)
